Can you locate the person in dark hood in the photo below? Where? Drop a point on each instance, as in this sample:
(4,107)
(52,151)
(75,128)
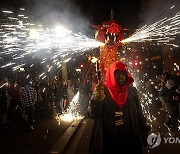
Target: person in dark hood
(119,123)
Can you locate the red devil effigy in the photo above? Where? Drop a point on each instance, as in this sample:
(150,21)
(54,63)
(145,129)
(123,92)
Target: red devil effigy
(110,33)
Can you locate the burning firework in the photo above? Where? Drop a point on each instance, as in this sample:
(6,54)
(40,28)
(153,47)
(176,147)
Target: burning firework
(73,111)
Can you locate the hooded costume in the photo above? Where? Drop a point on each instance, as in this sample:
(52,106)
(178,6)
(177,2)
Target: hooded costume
(119,121)
(118,94)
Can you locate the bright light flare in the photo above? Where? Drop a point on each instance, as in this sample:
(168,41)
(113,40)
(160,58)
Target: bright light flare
(92,43)
(61,31)
(73,111)
(67,117)
(94,60)
(34,34)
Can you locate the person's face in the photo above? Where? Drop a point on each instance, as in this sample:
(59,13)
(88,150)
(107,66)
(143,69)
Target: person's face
(120,77)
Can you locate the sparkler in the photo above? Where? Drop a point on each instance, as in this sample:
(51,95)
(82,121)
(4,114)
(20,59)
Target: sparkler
(162,31)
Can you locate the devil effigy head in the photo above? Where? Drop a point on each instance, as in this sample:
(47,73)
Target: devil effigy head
(110,33)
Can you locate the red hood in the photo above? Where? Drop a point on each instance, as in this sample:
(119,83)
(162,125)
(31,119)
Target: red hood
(118,94)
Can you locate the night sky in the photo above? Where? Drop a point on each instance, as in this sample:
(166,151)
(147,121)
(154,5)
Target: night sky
(79,14)
(126,12)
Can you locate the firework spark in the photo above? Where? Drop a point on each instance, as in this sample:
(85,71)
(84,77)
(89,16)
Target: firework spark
(162,31)
(22,42)
(73,111)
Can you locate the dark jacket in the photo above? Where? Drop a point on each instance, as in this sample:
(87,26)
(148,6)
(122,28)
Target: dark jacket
(109,135)
(167,94)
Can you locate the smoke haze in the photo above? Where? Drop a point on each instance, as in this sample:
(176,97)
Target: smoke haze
(54,12)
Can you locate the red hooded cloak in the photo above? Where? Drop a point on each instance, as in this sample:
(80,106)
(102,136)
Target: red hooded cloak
(118,93)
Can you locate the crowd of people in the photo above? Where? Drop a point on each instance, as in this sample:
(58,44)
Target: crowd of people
(17,101)
(22,100)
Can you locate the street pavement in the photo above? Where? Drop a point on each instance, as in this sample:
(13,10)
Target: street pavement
(18,139)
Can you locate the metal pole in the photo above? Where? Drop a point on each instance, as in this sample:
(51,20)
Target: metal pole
(98,70)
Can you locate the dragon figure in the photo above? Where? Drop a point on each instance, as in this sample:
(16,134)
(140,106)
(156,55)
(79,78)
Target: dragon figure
(110,33)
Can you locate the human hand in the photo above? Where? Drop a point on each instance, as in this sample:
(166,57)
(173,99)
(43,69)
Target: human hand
(99,92)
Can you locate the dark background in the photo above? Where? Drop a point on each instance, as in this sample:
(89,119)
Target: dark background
(79,14)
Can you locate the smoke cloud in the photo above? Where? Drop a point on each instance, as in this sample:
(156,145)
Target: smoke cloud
(54,12)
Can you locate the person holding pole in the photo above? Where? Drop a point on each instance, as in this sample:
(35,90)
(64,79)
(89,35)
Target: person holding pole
(119,121)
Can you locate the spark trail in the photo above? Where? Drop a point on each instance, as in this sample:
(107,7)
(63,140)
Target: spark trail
(21,42)
(73,111)
(162,31)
